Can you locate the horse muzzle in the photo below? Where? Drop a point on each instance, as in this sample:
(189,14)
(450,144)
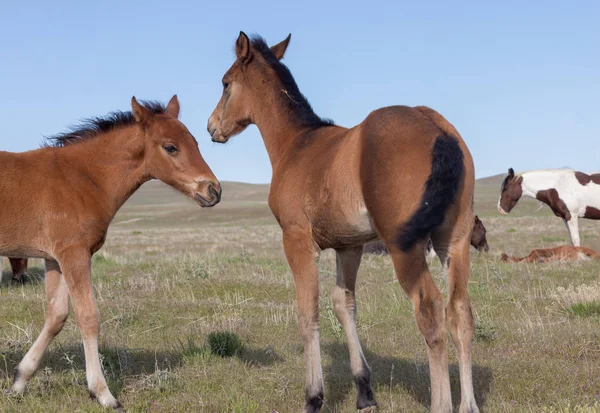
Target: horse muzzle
(211,197)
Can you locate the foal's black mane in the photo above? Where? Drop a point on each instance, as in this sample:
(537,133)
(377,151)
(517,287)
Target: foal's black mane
(92,127)
(296,101)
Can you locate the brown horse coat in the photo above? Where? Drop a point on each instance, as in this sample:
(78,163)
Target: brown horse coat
(402,175)
(59,200)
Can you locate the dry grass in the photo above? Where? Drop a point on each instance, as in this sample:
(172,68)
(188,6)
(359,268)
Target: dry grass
(171,274)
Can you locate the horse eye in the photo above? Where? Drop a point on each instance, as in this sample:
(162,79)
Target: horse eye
(170,148)
(225,85)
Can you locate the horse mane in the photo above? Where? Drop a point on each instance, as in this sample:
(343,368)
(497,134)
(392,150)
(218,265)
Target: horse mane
(92,127)
(295,100)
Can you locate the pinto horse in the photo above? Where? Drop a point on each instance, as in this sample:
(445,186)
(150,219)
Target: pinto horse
(403,175)
(563,253)
(68,193)
(570,194)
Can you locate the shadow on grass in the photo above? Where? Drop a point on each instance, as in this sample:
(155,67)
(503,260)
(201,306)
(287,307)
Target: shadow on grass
(389,372)
(118,363)
(260,357)
(121,364)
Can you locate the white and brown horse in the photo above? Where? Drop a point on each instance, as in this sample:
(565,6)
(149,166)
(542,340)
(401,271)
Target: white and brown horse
(403,174)
(570,194)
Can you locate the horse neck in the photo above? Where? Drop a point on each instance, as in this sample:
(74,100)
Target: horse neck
(538,181)
(112,164)
(277,125)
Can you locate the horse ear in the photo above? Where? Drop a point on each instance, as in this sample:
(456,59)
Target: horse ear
(280,48)
(141,113)
(476,218)
(511,172)
(173,107)
(242,48)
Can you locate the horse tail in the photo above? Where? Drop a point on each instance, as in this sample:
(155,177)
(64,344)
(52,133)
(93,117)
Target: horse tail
(441,188)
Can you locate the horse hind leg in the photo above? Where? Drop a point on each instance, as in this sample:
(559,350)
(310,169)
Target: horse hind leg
(58,310)
(344,305)
(428,304)
(454,256)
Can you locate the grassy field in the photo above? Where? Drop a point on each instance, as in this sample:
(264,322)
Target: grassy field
(171,273)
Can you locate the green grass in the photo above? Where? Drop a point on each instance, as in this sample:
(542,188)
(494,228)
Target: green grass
(189,276)
(585,309)
(224,343)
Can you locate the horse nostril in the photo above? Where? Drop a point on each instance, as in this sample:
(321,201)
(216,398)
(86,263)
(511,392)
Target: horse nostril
(215,191)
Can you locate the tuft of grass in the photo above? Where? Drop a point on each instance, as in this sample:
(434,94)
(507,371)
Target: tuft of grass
(511,230)
(136,232)
(589,309)
(580,301)
(485,331)
(224,343)
(196,269)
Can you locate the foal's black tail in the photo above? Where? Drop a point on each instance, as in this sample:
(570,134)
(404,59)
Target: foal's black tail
(440,192)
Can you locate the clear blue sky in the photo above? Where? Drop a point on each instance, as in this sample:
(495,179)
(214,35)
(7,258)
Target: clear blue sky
(520,80)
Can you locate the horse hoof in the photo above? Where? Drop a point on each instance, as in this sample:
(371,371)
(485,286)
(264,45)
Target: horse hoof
(468,408)
(108,400)
(370,409)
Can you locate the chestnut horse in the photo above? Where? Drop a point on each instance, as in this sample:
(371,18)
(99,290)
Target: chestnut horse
(562,253)
(570,194)
(403,175)
(68,193)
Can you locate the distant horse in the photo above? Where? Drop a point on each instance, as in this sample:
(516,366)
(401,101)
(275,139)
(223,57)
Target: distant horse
(59,200)
(19,269)
(478,241)
(563,253)
(403,175)
(570,194)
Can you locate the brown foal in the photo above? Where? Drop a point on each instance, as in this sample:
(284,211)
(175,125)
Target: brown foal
(65,196)
(562,253)
(403,175)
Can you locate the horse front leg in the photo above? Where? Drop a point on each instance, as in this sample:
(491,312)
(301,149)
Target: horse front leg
(573,227)
(302,254)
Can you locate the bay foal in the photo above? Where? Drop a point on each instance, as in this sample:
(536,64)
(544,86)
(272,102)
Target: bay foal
(66,194)
(403,174)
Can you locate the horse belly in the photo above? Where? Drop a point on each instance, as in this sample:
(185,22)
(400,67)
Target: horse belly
(23,252)
(590,202)
(353,230)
